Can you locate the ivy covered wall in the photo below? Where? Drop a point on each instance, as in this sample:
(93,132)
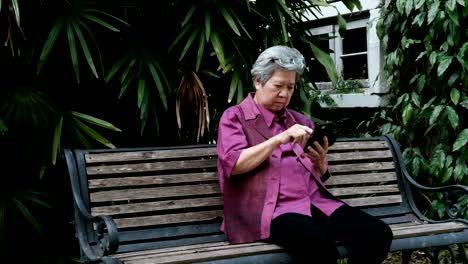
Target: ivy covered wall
(426,50)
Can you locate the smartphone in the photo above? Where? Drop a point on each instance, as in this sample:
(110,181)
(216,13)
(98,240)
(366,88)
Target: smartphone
(321,130)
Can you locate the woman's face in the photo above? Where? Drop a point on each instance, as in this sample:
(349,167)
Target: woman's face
(276,93)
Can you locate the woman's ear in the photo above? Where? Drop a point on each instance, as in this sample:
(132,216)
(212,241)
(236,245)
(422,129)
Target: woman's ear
(257,83)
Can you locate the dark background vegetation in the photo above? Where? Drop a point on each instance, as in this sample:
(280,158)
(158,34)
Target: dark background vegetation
(104,74)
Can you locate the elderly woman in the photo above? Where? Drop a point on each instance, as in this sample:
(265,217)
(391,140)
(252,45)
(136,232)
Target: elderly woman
(273,190)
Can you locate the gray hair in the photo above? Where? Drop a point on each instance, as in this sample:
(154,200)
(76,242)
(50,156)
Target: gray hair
(277,58)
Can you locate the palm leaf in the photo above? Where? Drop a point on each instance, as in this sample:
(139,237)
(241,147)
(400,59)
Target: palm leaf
(241,25)
(93,134)
(100,22)
(95,121)
(144,106)
(201,48)
(326,61)
(283,25)
(27,214)
(126,83)
(130,68)
(232,89)
(286,10)
(84,47)
(240,91)
(16,9)
(141,91)
(95,42)
(83,139)
(35,197)
(179,37)
(189,43)
(157,81)
(115,68)
(228,18)
(56,140)
(218,47)
(93,10)
(207,26)
(341,25)
(350,4)
(189,15)
(52,37)
(73,52)
(3,127)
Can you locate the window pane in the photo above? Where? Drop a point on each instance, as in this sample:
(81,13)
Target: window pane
(355,40)
(317,71)
(355,67)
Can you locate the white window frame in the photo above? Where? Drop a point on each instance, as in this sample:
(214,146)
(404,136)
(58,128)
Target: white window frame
(375,86)
(336,44)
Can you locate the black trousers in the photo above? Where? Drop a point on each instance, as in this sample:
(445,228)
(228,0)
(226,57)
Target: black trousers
(312,239)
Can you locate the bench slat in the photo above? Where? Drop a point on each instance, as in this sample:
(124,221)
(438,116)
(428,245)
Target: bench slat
(218,250)
(360,167)
(354,145)
(212,188)
(166,233)
(391,188)
(153,180)
(152,167)
(157,192)
(427,229)
(361,178)
(149,155)
(206,254)
(174,249)
(210,215)
(157,206)
(168,219)
(359,155)
(109,157)
(375,200)
(212,176)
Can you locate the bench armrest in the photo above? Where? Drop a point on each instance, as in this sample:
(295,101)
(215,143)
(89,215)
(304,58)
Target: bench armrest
(104,242)
(97,235)
(450,192)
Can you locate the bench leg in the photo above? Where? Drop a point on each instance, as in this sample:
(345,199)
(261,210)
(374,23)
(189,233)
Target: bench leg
(406,256)
(462,254)
(441,255)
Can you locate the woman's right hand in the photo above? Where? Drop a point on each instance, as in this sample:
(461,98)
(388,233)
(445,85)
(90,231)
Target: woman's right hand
(296,133)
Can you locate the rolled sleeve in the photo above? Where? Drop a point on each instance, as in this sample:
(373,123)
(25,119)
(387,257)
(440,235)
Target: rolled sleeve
(231,141)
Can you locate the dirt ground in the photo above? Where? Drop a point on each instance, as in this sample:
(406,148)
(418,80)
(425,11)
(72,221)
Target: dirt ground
(416,258)
(419,257)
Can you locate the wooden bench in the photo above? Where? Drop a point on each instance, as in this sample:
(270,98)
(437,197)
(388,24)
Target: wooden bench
(163,205)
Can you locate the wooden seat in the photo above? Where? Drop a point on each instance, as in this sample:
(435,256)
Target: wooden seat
(167,207)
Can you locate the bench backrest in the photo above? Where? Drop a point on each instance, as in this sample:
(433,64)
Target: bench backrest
(161,197)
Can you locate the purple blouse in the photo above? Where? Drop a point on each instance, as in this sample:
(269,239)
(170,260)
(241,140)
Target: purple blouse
(299,183)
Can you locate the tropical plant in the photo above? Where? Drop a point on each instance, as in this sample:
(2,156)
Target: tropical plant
(88,69)
(427,65)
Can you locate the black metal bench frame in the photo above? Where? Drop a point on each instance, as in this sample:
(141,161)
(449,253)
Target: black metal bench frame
(98,236)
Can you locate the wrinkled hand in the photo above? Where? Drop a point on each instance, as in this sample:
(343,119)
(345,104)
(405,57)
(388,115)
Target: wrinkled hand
(319,156)
(296,133)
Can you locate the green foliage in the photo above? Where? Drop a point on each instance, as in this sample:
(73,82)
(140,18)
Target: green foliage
(426,48)
(69,75)
(348,86)
(76,21)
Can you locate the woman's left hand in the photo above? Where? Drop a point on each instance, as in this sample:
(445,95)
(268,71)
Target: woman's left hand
(319,156)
